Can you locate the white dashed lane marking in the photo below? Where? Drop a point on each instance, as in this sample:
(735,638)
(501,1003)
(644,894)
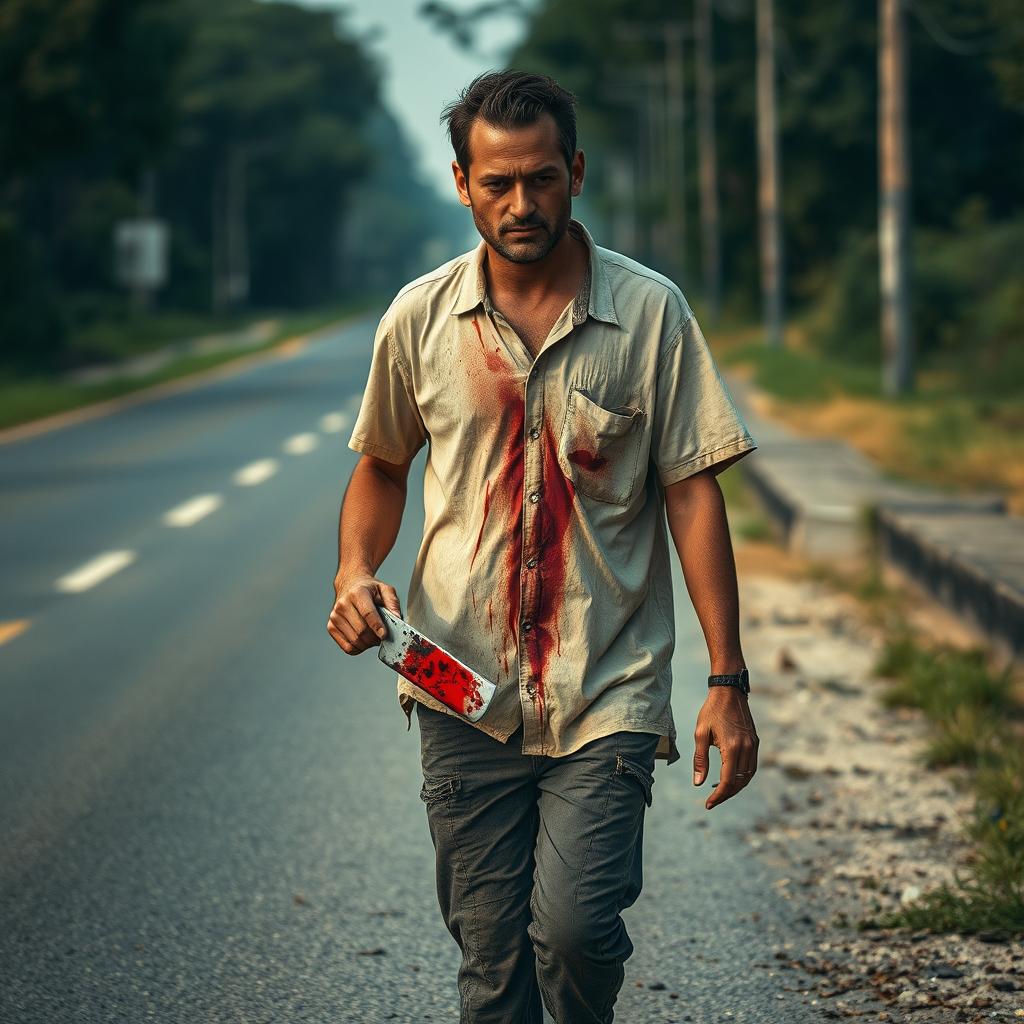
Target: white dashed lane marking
(301,444)
(193,510)
(256,472)
(335,422)
(95,571)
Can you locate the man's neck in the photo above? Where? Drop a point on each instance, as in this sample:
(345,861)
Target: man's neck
(560,271)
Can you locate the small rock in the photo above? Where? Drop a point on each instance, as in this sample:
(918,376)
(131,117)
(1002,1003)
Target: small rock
(657,986)
(909,894)
(782,618)
(912,999)
(941,970)
(786,662)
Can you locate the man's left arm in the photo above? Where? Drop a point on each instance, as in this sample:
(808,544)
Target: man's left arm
(695,508)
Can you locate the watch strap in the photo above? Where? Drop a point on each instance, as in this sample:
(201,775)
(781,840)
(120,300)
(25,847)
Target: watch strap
(741,680)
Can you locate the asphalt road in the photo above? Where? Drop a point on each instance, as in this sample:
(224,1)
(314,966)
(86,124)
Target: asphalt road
(208,811)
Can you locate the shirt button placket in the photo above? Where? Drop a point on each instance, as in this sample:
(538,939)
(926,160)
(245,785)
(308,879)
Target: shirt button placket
(533,462)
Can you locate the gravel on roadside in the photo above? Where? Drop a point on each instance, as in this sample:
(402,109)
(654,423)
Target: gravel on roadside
(860,825)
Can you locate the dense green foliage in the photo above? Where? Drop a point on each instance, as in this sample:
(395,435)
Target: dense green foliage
(254,120)
(966,100)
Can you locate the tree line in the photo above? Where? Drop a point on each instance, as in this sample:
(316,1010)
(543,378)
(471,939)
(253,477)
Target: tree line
(735,144)
(254,130)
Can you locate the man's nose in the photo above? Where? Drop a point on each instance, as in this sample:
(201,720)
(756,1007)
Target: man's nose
(521,205)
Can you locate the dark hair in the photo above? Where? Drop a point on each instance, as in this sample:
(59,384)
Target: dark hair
(509,99)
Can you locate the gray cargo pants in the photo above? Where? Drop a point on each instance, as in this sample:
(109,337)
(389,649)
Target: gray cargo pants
(536,856)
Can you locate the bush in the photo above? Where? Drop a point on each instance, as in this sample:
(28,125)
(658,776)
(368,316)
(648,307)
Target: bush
(967,301)
(33,331)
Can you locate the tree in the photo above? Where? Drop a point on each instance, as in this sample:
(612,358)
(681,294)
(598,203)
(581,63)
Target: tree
(275,97)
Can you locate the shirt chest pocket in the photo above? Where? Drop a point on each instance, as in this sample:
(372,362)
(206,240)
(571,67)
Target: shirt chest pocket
(601,447)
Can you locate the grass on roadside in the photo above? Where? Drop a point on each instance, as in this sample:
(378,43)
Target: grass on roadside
(988,894)
(977,721)
(976,713)
(950,433)
(23,399)
(747,521)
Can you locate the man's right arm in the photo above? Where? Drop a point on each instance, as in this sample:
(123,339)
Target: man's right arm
(371,515)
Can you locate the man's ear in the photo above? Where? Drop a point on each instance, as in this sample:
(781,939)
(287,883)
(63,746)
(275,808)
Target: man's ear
(461,184)
(578,170)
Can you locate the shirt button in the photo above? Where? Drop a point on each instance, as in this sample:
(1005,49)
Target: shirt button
(530,689)
(531,563)
(534,433)
(534,497)
(527,626)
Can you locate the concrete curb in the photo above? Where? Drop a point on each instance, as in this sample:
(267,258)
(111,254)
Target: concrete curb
(952,556)
(827,500)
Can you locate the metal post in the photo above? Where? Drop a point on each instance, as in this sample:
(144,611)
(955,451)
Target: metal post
(893,209)
(709,229)
(768,177)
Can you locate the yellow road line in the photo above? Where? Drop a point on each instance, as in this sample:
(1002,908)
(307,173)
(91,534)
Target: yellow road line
(15,627)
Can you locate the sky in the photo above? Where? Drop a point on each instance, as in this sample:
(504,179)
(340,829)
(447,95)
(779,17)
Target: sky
(424,70)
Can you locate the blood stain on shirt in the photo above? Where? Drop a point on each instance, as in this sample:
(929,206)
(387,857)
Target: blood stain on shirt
(512,476)
(587,460)
(554,514)
(493,359)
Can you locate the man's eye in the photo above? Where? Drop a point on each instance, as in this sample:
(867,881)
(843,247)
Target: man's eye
(544,178)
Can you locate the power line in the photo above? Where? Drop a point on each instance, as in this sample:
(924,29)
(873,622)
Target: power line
(941,38)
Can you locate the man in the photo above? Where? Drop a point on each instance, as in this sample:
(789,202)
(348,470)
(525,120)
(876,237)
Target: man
(570,403)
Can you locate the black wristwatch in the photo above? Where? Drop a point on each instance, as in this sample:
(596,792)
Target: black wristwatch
(741,680)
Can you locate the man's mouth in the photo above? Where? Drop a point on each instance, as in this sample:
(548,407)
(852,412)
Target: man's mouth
(522,231)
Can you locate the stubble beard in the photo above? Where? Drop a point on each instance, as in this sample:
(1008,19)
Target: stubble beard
(531,250)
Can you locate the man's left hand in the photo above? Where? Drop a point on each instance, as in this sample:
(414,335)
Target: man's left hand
(725,722)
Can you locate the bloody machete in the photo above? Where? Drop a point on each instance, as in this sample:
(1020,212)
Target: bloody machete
(430,667)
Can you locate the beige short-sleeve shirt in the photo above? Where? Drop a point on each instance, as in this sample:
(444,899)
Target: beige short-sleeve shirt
(545,563)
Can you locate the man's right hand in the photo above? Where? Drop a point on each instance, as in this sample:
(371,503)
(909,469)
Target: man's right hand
(354,619)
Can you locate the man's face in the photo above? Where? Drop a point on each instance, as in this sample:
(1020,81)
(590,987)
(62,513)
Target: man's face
(519,188)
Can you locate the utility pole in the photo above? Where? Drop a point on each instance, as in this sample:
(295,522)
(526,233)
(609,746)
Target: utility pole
(660,181)
(708,162)
(238,236)
(142,294)
(641,184)
(675,119)
(671,34)
(893,203)
(622,173)
(768,177)
(229,238)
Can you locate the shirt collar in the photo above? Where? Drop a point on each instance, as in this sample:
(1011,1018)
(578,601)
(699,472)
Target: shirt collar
(600,305)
